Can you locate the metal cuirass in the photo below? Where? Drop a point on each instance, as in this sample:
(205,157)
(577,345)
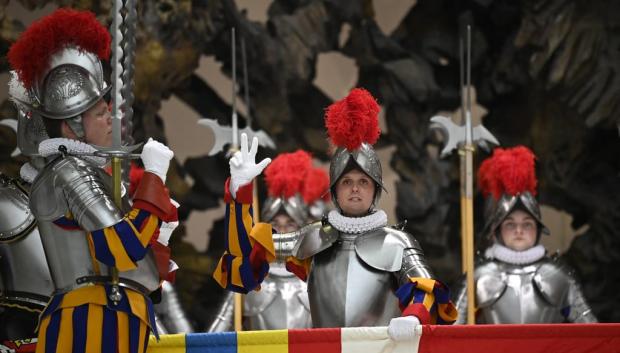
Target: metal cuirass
(540,292)
(24,276)
(281,303)
(346,292)
(73,185)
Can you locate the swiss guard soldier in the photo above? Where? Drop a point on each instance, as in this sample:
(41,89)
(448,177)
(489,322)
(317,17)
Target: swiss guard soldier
(516,282)
(84,234)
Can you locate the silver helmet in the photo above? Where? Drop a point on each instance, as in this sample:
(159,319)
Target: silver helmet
(508,178)
(365,158)
(293,206)
(64,77)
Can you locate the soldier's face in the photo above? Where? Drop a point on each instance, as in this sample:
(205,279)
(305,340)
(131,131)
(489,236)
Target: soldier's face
(518,231)
(97,122)
(282,223)
(355,192)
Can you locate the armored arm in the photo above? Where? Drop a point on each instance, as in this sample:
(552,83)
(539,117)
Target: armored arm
(225,315)
(579,311)
(171,313)
(460,302)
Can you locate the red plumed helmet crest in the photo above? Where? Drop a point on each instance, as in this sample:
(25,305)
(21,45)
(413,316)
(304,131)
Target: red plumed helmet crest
(286,173)
(30,54)
(316,184)
(508,171)
(353,120)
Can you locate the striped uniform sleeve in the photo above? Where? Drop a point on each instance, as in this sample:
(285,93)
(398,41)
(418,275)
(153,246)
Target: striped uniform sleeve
(125,243)
(428,300)
(249,247)
(300,268)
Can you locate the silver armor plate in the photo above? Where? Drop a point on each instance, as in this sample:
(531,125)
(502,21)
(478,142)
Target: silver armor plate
(541,292)
(16,220)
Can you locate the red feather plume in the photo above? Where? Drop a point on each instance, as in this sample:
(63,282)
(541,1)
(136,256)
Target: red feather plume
(315,185)
(286,173)
(30,54)
(353,120)
(509,171)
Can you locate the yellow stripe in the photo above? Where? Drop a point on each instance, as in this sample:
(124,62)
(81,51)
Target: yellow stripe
(429,299)
(85,295)
(262,233)
(94,328)
(273,341)
(42,333)
(93,258)
(123,332)
(425,284)
(218,275)
(148,230)
(233,235)
(142,337)
(137,303)
(167,344)
(236,273)
(123,262)
(65,334)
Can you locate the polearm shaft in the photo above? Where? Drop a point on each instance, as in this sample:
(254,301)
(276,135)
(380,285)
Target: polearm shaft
(117,118)
(238,299)
(462,163)
(469,192)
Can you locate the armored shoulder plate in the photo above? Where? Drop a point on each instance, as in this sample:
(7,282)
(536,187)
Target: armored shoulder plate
(16,220)
(491,282)
(553,279)
(383,248)
(314,238)
(72,184)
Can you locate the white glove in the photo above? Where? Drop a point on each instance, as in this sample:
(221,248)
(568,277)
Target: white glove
(403,328)
(156,158)
(243,167)
(166,228)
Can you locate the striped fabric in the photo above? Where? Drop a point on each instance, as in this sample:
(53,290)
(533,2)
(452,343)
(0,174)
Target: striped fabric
(600,338)
(428,300)
(123,244)
(249,247)
(84,320)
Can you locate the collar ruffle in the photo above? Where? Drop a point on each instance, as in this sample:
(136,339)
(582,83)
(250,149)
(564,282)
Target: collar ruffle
(49,148)
(510,256)
(357,225)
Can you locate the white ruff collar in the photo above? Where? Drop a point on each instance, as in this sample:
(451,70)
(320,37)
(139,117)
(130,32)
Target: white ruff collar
(83,150)
(49,147)
(357,225)
(510,256)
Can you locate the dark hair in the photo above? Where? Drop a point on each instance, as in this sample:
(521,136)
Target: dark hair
(52,127)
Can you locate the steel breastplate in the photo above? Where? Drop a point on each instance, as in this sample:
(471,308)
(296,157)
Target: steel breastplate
(281,303)
(16,220)
(520,301)
(24,272)
(346,292)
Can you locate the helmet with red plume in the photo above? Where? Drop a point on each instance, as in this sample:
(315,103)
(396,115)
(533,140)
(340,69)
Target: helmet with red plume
(353,126)
(285,179)
(508,180)
(57,65)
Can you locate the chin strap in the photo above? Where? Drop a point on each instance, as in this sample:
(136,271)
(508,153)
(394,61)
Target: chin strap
(76,125)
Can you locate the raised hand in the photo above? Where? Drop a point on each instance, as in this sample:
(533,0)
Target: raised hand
(243,168)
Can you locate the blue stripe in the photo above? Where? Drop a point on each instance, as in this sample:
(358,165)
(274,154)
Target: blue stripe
(224,342)
(130,241)
(102,251)
(110,331)
(142,215)
(442,293)
(404,293)
(134,334)
(244,239)
(418,296)
(53,305)
(52,332)
(146,338)
(151,312)
(80,320)
(247,274)
(66,223)
(226,228)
